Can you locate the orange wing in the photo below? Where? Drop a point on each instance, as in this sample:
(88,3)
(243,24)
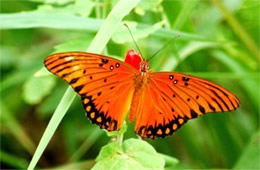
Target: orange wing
(105,84)
(171,99)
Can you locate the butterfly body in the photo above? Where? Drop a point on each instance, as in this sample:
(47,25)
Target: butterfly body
(159,102)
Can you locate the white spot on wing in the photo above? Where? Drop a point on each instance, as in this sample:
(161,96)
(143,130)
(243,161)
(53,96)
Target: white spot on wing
(75,68)
(69,58)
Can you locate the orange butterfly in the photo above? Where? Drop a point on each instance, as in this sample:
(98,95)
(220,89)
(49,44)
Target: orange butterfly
(160,102)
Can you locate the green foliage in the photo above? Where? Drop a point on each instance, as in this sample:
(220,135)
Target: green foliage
(133,154)
(79,7)
(122,34)
(250,158)
(218,40)
(144,6)
(36,88)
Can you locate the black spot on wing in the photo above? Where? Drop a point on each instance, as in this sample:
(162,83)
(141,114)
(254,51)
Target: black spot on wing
(202,109)
(185,79)
(212,108)
(78,88)
(105,61)
(74,80)
(193,114)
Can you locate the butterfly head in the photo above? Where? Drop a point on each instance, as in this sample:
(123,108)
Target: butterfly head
(144,66)
(133,58)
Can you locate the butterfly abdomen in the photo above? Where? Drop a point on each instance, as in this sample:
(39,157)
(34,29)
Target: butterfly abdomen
(140,83)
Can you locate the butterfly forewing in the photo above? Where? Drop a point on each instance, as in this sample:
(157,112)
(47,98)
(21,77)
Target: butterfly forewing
(105,84)
(161,102)
(171,99)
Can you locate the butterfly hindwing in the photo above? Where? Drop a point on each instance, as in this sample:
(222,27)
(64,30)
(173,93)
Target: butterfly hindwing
(104,84)
(171,99)
(161,102)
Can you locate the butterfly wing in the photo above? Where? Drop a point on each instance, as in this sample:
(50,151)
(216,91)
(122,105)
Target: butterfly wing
(105,84)
(171,99)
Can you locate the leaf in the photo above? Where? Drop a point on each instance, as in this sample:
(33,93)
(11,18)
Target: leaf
(78,44)
(185,52)
(50,20)
(133,154)
(184,14)
(250,157)
(12,53)
(58,2)
(68,21)
(45,110)
(37,87)
(80,7)
(122,35)
(87,164)
(9,120)
(13,160)
(171,10)
(170,162)
(147,5)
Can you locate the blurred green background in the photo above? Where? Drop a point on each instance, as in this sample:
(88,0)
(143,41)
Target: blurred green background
(219,41)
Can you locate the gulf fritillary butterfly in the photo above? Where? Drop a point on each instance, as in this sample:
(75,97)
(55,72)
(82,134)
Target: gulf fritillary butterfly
(160,102)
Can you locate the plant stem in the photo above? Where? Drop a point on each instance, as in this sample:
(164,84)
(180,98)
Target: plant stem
(238,29)
(119,139)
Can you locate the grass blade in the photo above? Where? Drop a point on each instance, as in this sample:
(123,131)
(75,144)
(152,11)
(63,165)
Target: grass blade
(66,21)
(238,29)
(53,124)
(16,129)
(184,14)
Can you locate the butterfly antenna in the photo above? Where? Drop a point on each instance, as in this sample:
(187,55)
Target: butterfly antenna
(177,36)
(134,40)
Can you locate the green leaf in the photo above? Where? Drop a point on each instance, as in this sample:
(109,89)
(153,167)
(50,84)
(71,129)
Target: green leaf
(12,53)
(108,151)
(76,165)
(50,20)
(57,2)
(80,7)
(9,120)
(122,35)
(78,44)
(170,162)
(147,5)
(133,154)
(37,87)
(250,157)
(68,21)
(185,52)
(13,160)
(185,13)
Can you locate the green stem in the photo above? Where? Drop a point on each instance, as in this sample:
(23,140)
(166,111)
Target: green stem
(184,14)
(97,9)
(86,145)
(119,139)
(16,129)
(52,126)
(13,160)
(237,28)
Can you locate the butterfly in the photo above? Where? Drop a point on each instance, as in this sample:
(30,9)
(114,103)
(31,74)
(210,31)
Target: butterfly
(159,102)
